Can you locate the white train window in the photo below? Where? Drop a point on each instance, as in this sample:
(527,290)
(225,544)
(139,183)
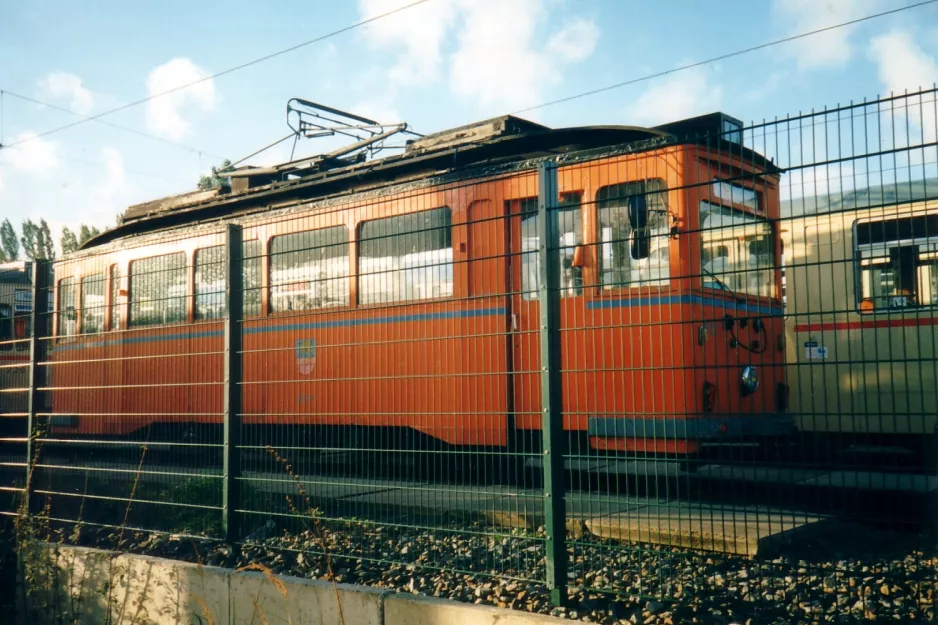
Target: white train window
(897,262)
(158,289)
(210,280)
(92,303)
(407,257)
(633,232)
(570,224)
(309,270)
(737,253)
(68,315)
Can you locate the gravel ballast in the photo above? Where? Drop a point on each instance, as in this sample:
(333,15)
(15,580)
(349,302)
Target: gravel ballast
(886,577)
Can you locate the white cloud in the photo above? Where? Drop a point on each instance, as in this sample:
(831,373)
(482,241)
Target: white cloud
(679,96)
(762,90)
(165,113)
(576,41)
(831,48)
(419,32)
(113,184)
(490,51)
(901,63)
(380,109)
(33,155)
(94,201)
(70,87)
(496,64)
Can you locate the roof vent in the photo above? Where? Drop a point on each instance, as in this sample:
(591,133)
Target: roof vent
(479,132)
(712,125)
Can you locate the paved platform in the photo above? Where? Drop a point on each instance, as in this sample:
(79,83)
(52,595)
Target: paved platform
(744,530)
(856,480)
(741,530)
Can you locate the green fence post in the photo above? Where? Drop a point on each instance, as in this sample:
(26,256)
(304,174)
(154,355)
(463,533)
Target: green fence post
(551,399)
(39,330)
(234,307)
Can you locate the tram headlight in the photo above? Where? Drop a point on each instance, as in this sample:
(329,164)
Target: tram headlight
(749,380)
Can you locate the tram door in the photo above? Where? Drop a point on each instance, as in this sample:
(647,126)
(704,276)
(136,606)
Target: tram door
(525,309)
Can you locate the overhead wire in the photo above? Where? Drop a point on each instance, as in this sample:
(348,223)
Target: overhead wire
(107,123)
(230,70)
(721,57)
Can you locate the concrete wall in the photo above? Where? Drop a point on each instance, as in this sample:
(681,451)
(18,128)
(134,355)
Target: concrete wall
(92,586)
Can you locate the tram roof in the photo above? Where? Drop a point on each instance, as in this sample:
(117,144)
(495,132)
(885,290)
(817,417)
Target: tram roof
(500,141)
(865,197)
(16,272)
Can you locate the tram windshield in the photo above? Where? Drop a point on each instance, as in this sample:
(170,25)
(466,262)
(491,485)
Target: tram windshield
(736,251)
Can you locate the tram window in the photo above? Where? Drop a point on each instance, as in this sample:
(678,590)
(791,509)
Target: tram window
(898,263)
(210,280)
(92,303)
(68,317)
(570,225)
(634,236)
(116,299)
(251,255)
(158,289)
(407,257)
(309,270)
(737,253)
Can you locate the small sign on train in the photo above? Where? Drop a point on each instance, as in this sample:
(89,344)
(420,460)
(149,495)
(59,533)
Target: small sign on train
(22,301)
(813,351)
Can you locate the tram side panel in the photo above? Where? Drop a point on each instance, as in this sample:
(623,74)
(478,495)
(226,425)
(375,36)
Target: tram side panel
(861,344)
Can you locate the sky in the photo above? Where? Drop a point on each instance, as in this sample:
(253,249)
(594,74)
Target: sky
(442,64)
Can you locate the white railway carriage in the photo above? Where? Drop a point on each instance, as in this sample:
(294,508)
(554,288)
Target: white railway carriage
(861,287)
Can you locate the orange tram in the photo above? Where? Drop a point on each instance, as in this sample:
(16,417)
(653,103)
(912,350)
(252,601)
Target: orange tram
(401,293)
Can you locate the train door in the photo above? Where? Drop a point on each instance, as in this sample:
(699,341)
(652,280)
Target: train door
(525,311)
(484,387)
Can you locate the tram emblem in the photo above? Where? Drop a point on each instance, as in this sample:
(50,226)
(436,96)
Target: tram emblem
(306,355)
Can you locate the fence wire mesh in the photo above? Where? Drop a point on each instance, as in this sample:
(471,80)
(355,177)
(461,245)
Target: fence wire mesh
(691,375)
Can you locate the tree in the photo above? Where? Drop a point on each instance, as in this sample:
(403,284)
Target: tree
(217,180)
(29,239)
(8,241)
(85,234)
(69,241)
(46,245)
(37,240)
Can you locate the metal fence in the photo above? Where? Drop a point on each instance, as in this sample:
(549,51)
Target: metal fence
(692,375)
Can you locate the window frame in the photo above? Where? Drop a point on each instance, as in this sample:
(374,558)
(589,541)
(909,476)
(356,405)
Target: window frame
(898,243)
(58,307)
(103,281)
(195,283)
(759,218)
(271,309)
(567,202)
(185,270)
(361,276)
(245,258)
(604,290)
